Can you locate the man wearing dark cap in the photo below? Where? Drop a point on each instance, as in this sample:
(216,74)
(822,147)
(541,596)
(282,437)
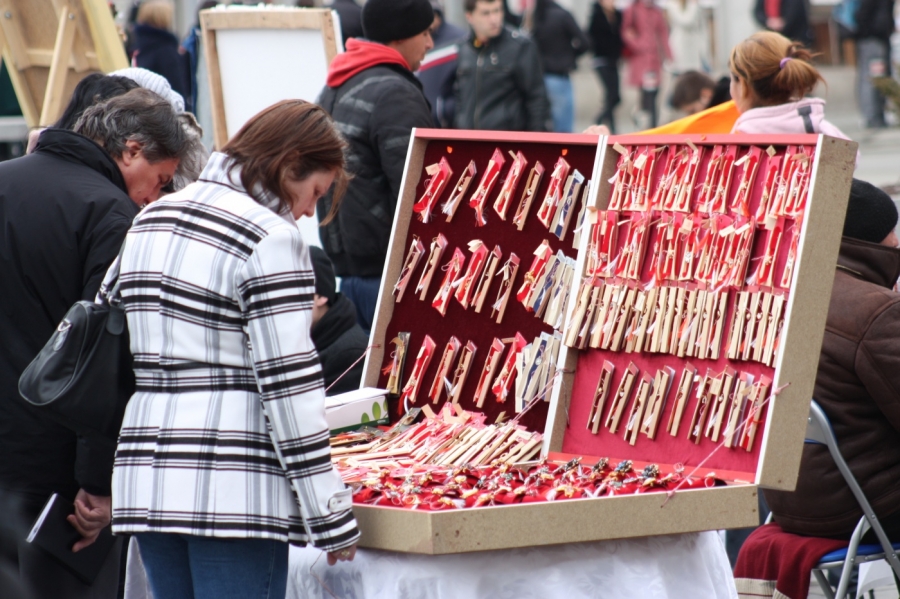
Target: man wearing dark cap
(376,101)
(858,382)
(339,340)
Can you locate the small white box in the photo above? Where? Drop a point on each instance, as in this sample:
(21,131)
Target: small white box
(354,409)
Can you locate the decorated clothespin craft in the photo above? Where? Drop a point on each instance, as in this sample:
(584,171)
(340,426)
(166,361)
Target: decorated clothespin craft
(441,381)
(685,385)
(737,408)
(552,198)
(451,273)
(495,352)
(487,275)
(620,399)
(758,395)
(438,244)
(423,359)
(528,195)
(488,180)
(394,370)
(600,394)
(765,270)
(799,185)
(409,265)
(621,179)
(749,165)
(662,383)
(571,193)
(516,170)
(456,196)
(461,373)
(503,383)
(541,257)
(638,406)
(508,276)
(466,283)
(770,185)
(439,174)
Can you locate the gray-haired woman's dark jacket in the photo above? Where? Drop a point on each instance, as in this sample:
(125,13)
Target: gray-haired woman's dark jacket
(64,211)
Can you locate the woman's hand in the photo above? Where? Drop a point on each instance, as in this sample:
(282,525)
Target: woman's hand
(342,555)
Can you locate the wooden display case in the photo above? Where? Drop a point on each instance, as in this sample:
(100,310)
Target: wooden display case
(773,458)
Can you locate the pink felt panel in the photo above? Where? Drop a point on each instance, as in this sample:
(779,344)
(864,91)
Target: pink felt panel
(420,318)
(665,448)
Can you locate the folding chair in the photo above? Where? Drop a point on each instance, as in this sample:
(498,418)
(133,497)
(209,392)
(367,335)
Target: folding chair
(818,430)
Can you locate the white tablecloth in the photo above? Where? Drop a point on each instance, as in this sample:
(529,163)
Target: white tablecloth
(672,567)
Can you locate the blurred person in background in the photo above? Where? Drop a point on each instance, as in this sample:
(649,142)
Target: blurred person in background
(560,42)
(874,27)
(191,46)
(155,46)
(646,38)
(499,81)
(790,18)
(688,37)
(605,32)
(350,14)
(67,207)
(510,18)
(438,70)
(376,101)
(339,340)
(694,92)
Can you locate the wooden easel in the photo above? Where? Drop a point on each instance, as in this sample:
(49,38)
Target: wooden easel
(50,45)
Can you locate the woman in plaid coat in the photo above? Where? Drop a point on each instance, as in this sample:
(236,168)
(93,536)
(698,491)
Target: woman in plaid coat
(223,457)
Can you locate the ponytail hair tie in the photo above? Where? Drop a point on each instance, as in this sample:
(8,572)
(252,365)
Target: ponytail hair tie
(784,61)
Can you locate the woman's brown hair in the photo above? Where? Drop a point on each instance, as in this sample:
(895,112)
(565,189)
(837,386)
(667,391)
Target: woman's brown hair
(290,139)
(775,69)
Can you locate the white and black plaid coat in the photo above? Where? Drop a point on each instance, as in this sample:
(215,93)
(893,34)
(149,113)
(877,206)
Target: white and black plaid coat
(226,433)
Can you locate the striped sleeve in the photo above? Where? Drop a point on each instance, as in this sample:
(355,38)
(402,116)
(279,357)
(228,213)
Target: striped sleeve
(276,292)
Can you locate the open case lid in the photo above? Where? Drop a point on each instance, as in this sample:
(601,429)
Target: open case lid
(808,236)
(417,316)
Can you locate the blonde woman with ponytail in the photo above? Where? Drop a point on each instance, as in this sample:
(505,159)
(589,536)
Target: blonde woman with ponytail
(771,77)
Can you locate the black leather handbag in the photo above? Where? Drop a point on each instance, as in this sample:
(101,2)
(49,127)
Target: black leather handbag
(83,376)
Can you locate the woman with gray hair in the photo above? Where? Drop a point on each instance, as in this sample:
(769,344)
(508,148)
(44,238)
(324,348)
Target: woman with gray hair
(64,212)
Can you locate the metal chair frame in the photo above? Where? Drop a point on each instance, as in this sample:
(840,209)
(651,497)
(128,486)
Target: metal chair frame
(818,430)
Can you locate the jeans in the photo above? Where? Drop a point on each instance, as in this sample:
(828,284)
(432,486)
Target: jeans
(562,102)
(872,55)
(609,77)
(363,292)
(190,567)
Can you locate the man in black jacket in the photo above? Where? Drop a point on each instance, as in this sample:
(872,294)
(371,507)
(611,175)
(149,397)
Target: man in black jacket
(375,101)
(339,340)
(874,26)
(500,82)
(64,212)
(438,71)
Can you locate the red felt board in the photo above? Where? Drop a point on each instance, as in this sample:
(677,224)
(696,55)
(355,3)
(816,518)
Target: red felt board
(578,438)
(419,317)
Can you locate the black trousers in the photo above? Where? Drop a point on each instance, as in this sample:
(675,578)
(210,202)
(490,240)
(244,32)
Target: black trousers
(28,572)
(609,77)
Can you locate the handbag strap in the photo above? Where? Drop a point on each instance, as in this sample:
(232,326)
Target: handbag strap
(113,296)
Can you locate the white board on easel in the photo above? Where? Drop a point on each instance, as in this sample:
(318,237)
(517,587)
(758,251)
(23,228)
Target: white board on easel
(257,56)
